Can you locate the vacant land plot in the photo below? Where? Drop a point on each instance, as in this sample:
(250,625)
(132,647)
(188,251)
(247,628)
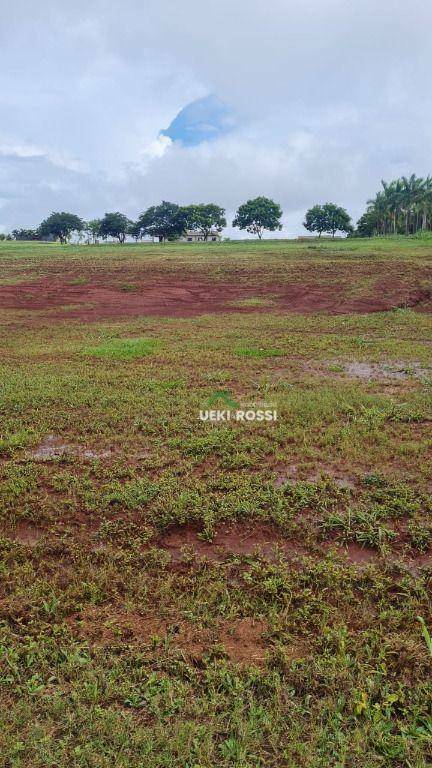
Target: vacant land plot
(184,593)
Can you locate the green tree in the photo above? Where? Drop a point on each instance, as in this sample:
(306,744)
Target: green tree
(315,220)
(412,193)
(257,215)
(135,230)
(367,225)
(205,218)
(336,219)
(114,225)
(61,225)
(92,228)
(166,221)
(402,206)
(26,234)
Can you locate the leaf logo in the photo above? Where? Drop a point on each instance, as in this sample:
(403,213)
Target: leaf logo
(225,397)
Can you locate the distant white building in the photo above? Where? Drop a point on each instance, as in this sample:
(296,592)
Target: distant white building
(195,236)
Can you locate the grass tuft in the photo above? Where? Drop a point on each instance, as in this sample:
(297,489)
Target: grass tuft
(123,349)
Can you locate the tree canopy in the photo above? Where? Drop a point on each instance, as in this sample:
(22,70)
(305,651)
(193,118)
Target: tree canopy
(114,225)
(61,225)
(134,230)
(26,234)
(92,228)
(315,220)
(257,215)
(329,218)
(166,221)
(402,206)
(205,218)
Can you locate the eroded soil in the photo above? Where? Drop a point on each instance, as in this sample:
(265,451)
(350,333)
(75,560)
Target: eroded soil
(242,641)
(106,295)
(235,539)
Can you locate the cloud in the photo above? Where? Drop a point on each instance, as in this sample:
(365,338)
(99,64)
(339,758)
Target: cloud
(59,159)
(328,98)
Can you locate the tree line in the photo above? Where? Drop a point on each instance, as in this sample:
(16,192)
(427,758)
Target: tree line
(400,207)
(169,221)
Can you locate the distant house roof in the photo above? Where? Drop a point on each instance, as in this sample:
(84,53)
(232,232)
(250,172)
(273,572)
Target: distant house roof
(199,232)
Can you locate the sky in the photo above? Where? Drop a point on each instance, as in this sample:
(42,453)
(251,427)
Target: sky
(116,106)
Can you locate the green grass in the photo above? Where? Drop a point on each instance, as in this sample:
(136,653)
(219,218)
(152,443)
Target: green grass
(120,648)
(258,352)
(123,349)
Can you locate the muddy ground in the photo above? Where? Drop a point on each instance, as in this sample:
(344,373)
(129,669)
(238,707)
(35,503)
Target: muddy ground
(104,294)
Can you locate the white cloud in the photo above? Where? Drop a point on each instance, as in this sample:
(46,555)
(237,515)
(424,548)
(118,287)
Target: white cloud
(329,98)
(60,159)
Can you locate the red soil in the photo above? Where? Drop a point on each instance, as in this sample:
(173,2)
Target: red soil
(241,539)
(183,295)
(231,539)
(242,640)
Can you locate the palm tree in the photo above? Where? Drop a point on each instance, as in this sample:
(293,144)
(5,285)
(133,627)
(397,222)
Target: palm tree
(403,205)
(425,204)
(393,194)
(411,194)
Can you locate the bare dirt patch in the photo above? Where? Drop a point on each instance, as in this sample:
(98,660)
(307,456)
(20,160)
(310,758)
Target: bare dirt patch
(106,624)
(264,541)
(242,640)
(189,294)
(184,543)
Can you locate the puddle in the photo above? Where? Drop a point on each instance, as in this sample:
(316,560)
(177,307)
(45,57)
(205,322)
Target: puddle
(290,475)
(420,562)
(341,481)
(53,447)
(26,534)
(398,371)
(357,554)
(88,454)
(285,475)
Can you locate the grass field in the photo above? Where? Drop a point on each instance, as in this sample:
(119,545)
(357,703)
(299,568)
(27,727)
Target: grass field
(185,594)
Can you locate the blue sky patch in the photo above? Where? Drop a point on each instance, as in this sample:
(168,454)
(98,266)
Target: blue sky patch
(204,119)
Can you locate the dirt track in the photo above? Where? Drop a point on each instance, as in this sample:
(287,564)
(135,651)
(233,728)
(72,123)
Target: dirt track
(103,296)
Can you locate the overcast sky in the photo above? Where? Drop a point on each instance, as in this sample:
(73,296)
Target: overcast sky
(306,102)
